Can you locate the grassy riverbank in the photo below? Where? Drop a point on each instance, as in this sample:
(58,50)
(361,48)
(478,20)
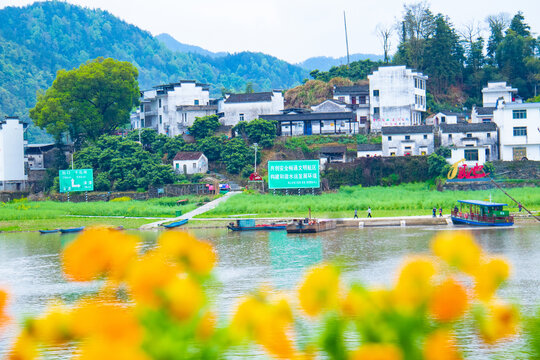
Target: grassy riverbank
(34,215)
(402,200)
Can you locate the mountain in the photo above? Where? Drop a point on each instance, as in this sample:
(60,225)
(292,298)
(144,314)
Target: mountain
(324,63)
(175,45)
(39,39)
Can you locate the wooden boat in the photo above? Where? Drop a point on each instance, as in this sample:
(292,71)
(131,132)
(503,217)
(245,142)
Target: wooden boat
(72,230)
(306,226)
(49,231)
(250,225)
(176,224)
(482,213)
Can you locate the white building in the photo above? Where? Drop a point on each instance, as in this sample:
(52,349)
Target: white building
(398,97)
(497,90)
(357,99)
(13,175)
(186,162)
(246,107)
(519,131)
(407,140)
(368,150)
(476,143)
(446,117)
(482,114)
(170,109)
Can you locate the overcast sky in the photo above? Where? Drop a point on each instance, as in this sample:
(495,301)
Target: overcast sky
(293,30)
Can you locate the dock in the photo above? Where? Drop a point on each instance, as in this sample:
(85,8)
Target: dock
(395,221)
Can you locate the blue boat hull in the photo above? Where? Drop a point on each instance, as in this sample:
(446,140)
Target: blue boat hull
(72,230)
(460,221)
(49,231)
(257,228)
(176,224)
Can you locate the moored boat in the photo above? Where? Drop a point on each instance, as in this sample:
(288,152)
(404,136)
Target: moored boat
(176,224)
(307,225)
(49,231)
(250,225)
(72,230)
(481,213)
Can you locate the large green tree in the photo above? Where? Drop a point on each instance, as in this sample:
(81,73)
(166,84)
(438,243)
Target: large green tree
(89,101)
(204,126)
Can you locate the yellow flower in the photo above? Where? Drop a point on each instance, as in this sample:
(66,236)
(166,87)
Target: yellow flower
(377,352)
(99,251)
(489,276)
(441,345)
(355,304)
(183,297)
(501,321)
(3,303)
(414,283)
(55,327)
(197,256)
(320,290)
(458,249)
(206,326)
(101,349)
(24,348)
(449,301)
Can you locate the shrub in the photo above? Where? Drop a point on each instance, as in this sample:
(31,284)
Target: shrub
(122,198)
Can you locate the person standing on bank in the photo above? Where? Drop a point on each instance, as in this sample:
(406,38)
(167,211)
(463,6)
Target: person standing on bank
(369,211)
(356,213)
(440,211)
(434,211)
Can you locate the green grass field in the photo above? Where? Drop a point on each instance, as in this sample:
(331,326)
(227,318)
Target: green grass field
(402,200)
(34,215)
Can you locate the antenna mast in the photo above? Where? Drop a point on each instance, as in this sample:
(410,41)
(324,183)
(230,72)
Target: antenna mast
(346,37)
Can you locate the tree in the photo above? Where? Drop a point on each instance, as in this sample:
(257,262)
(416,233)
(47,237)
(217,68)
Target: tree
(436,165)
(262,132)
(90,101)
(385,33)
(204,126)
(211,146)
(236,155)
(519,26)
(497,25)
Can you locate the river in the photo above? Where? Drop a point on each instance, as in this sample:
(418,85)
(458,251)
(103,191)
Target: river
(30,267)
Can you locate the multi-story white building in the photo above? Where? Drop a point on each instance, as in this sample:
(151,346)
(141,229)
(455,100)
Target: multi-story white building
(356,98)
(498,90)
(407,140)
(519,130)
(170,109)
(13,174)
(397,97)
(476,143)
(246,107)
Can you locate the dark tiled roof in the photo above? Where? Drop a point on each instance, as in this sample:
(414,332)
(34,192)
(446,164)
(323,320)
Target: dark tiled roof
(188,155)
(164,88)
(333,149)
(369,147)
(463,128)
(296,110)
(311,116)
(352,90)
(252,97)
(197,107)
(414,129)
(485,110)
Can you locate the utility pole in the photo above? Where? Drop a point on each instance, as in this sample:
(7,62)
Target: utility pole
(346,37)
(255,145)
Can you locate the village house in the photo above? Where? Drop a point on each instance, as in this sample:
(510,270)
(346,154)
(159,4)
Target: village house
(246,107)
(332,154)
(447,117)
(368,150)
(519,130)
(397,97)
(492,94)
(13,174)
(407,140)
(332,105)
(357,99)
(302,122)
(476,143)
(170,109)
(190,162)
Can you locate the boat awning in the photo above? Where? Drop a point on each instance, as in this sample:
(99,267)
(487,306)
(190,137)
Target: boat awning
(481,203)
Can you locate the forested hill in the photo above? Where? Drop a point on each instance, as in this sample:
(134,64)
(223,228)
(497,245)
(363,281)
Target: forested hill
(38,40)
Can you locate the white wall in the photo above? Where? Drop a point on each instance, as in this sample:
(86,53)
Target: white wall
(496,90)
(370,153)
(199,166)
(12,151)
(503,116)
(251,110)
(459,154)
(399,144)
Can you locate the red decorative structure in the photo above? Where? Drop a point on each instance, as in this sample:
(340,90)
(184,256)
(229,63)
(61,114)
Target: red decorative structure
(255,177)
(475,172)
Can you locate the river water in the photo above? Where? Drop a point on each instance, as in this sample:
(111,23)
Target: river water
(30,267)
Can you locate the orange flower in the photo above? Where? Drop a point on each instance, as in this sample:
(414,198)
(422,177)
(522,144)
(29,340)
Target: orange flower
(99,251)
(458,249)
(377,352)
(449,301)
(441,345)
(320,290)
(55,327)
(414,284)
(207,325)
(501,321)
(102,349)
(489,276)
(24,348)
(197,256)
(3,303)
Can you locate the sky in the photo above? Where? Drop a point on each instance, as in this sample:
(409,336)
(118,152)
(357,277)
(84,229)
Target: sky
(292,30)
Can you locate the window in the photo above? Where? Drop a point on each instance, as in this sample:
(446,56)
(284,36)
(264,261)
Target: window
(159,102)
(443,119)
(416,83)
(488,135)
(241,117)
(353,100)
(341,98)
(425,136)
(519,114)
(196,101)
(389,138)
(408,147)
(392,154)
(471,155)
(363,119)
(520,131)
(469,135)
(160,119)
(375,92)
(194,165)
(376,111)
(487,154)
(519,153)
(177,166)
(142,123)
(449,136)
(362,99)
(407,137)
(486,120)
(423,153)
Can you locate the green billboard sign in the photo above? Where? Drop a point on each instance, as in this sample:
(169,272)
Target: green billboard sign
(76,180)
(293,174)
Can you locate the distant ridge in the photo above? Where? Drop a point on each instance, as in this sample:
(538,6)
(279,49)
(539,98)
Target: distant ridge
(324,63)
(175,45)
